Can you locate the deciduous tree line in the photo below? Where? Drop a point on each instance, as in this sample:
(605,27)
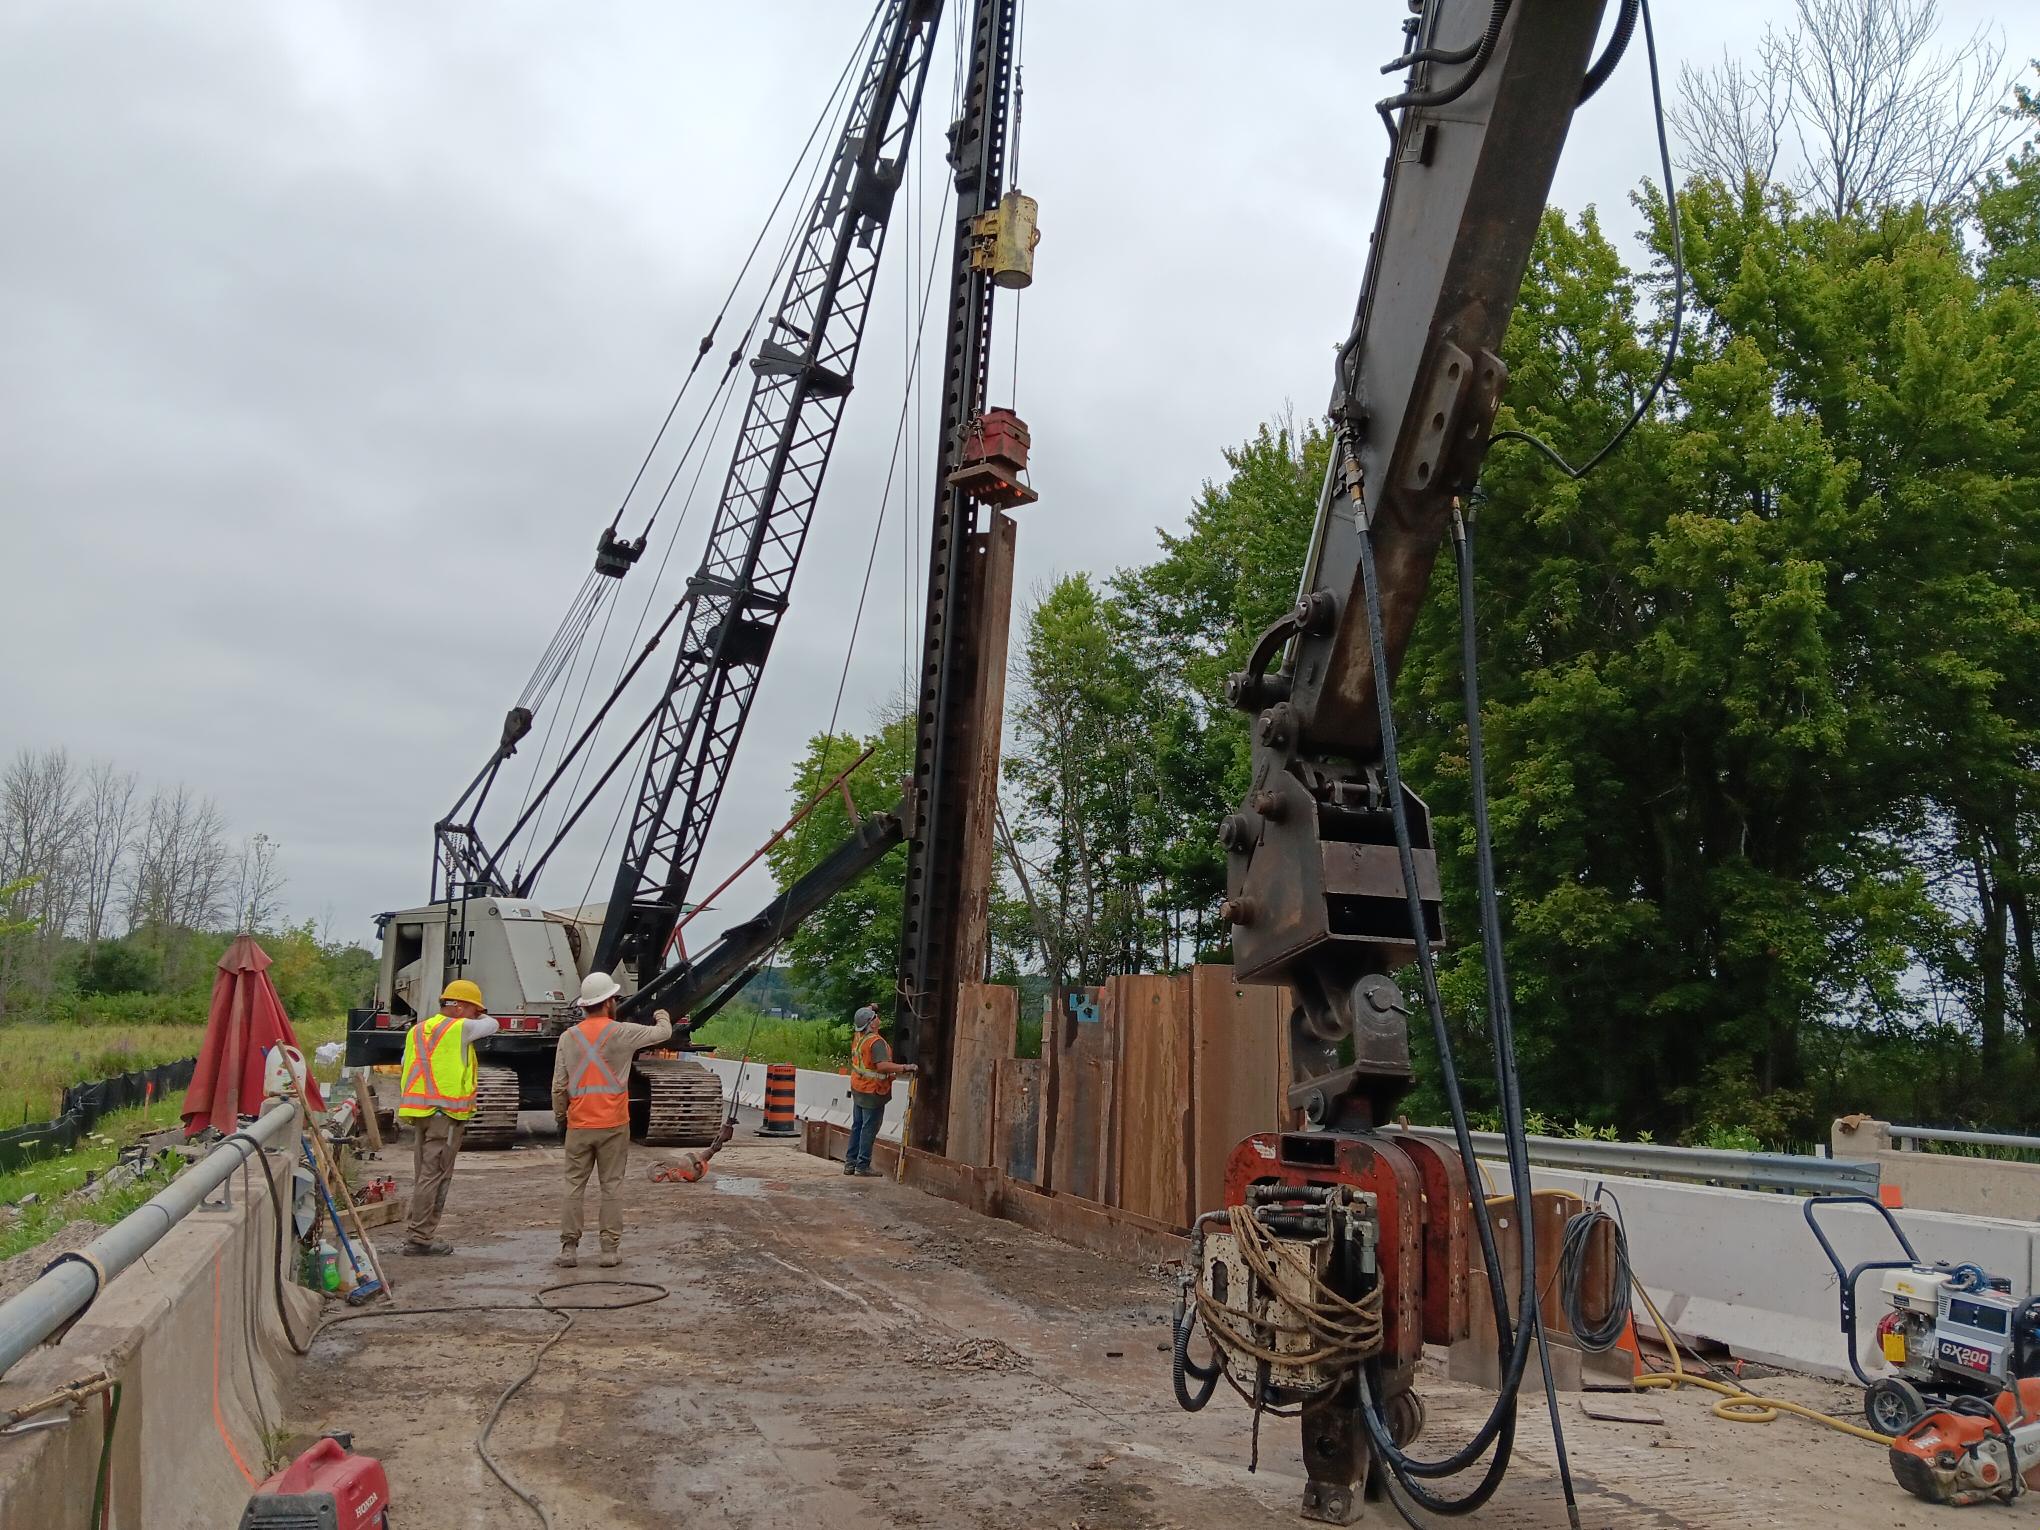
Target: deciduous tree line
(86,858)
(1761,695)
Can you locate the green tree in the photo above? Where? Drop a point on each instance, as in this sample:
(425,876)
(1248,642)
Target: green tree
(848,953)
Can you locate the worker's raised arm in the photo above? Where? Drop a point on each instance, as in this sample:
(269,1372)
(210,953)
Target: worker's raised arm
(659,1032)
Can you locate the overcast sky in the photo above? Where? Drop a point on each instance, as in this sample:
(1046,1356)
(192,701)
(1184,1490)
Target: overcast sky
(333,332)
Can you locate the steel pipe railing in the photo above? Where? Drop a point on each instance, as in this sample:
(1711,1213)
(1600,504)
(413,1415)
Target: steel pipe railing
(29,1317)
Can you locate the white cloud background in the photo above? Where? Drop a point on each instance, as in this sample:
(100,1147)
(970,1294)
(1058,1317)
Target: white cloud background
(332,332)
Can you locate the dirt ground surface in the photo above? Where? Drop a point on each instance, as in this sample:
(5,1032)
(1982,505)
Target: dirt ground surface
(849,1353)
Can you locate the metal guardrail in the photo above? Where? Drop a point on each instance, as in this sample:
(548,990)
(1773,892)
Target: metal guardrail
(69,1285)
(1712,1166)
(1980,1139)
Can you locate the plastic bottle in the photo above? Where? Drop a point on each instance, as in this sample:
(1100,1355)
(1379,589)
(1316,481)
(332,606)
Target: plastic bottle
(329,1267)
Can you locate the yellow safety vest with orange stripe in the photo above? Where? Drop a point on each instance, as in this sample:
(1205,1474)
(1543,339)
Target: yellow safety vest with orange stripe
(439,1070)
(864,1075)
(596,1097)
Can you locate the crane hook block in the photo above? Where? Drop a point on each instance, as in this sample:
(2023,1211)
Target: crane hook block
(1003,240)
(993,458)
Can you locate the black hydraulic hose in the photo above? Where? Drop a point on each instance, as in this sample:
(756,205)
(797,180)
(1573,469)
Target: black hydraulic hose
(276,1206)
(1501,1014)
(1595,1338)
(1664,372)
(1483,51)
(1618,44)
(1513,1341)
(1182,1368)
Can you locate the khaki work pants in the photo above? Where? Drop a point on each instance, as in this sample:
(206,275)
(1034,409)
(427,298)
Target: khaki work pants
(435,1144)
(602,1149)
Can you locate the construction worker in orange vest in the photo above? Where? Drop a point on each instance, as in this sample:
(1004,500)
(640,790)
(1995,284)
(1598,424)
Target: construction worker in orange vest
(591,1089)
(438,1079)
(872,1071)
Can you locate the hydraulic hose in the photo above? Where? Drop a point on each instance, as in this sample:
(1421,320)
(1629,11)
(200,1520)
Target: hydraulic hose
(1482,52)
(1618,44)
(1513,1341)
(1595,1338)
(1183,1368)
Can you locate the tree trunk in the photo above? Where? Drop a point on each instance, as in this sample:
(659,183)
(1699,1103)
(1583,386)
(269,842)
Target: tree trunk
(1990,966)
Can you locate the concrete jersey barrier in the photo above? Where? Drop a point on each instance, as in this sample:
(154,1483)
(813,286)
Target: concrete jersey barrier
(817,1096)
(1740,1267)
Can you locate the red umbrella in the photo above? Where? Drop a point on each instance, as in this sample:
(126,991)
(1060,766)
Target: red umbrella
(247,1019)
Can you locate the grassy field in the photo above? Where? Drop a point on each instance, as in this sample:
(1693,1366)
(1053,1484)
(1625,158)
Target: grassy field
(817,1044)
(38,1062)
(820,1044)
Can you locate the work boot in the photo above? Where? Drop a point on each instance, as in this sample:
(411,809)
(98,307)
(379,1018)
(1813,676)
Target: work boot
(849,1168)
(610,1259)
(865,1172)
(436,1246)
(567,1258)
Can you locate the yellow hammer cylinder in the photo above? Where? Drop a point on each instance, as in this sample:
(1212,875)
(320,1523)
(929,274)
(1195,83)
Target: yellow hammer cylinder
(1006,237)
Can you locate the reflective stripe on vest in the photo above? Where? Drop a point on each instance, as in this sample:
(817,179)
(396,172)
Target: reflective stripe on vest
(864,1075)
(438,1075)
(596,1097)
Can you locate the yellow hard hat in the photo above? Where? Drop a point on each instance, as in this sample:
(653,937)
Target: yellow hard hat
(464,991)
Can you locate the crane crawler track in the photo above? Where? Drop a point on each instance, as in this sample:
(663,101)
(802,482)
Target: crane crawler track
(494,1122)
(675,1103)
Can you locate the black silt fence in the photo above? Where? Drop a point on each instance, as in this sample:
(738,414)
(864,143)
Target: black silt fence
(84,1104)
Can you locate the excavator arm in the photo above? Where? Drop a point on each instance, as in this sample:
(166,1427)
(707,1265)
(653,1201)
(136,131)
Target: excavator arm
(1315,880)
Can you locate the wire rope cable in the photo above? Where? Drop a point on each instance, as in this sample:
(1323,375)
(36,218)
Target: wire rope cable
(708,340)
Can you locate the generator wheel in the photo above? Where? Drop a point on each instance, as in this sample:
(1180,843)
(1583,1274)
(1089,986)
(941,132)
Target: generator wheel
(494,1123)
(1893,1405)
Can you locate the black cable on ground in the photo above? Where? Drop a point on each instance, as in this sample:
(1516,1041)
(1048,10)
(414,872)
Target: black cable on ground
(1545,448)
(652,1292)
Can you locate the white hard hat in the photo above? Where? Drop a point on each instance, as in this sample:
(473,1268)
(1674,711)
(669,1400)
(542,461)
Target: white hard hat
(597,987)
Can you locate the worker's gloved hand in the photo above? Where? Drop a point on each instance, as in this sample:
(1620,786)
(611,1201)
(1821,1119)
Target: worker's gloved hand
(662,1017)
(729,1130)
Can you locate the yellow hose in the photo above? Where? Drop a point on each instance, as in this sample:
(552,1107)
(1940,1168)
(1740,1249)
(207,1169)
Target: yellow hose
(1736,1405)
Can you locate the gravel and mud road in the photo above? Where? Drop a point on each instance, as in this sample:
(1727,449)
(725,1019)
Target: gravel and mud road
(849,1353)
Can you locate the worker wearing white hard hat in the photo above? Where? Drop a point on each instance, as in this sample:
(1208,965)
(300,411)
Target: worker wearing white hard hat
(591,1093)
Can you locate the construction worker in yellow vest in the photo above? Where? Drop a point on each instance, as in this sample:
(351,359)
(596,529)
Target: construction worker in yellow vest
(438,1079)
(591,1089)
(872,1071)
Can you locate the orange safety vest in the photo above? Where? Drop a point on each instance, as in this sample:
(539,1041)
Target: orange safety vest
(596,1097)
(864,1075)
(439,1071)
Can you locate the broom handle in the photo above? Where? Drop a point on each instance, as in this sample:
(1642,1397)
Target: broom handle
(331,1171)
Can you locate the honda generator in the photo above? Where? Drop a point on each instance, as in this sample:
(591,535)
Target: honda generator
(329,1487)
